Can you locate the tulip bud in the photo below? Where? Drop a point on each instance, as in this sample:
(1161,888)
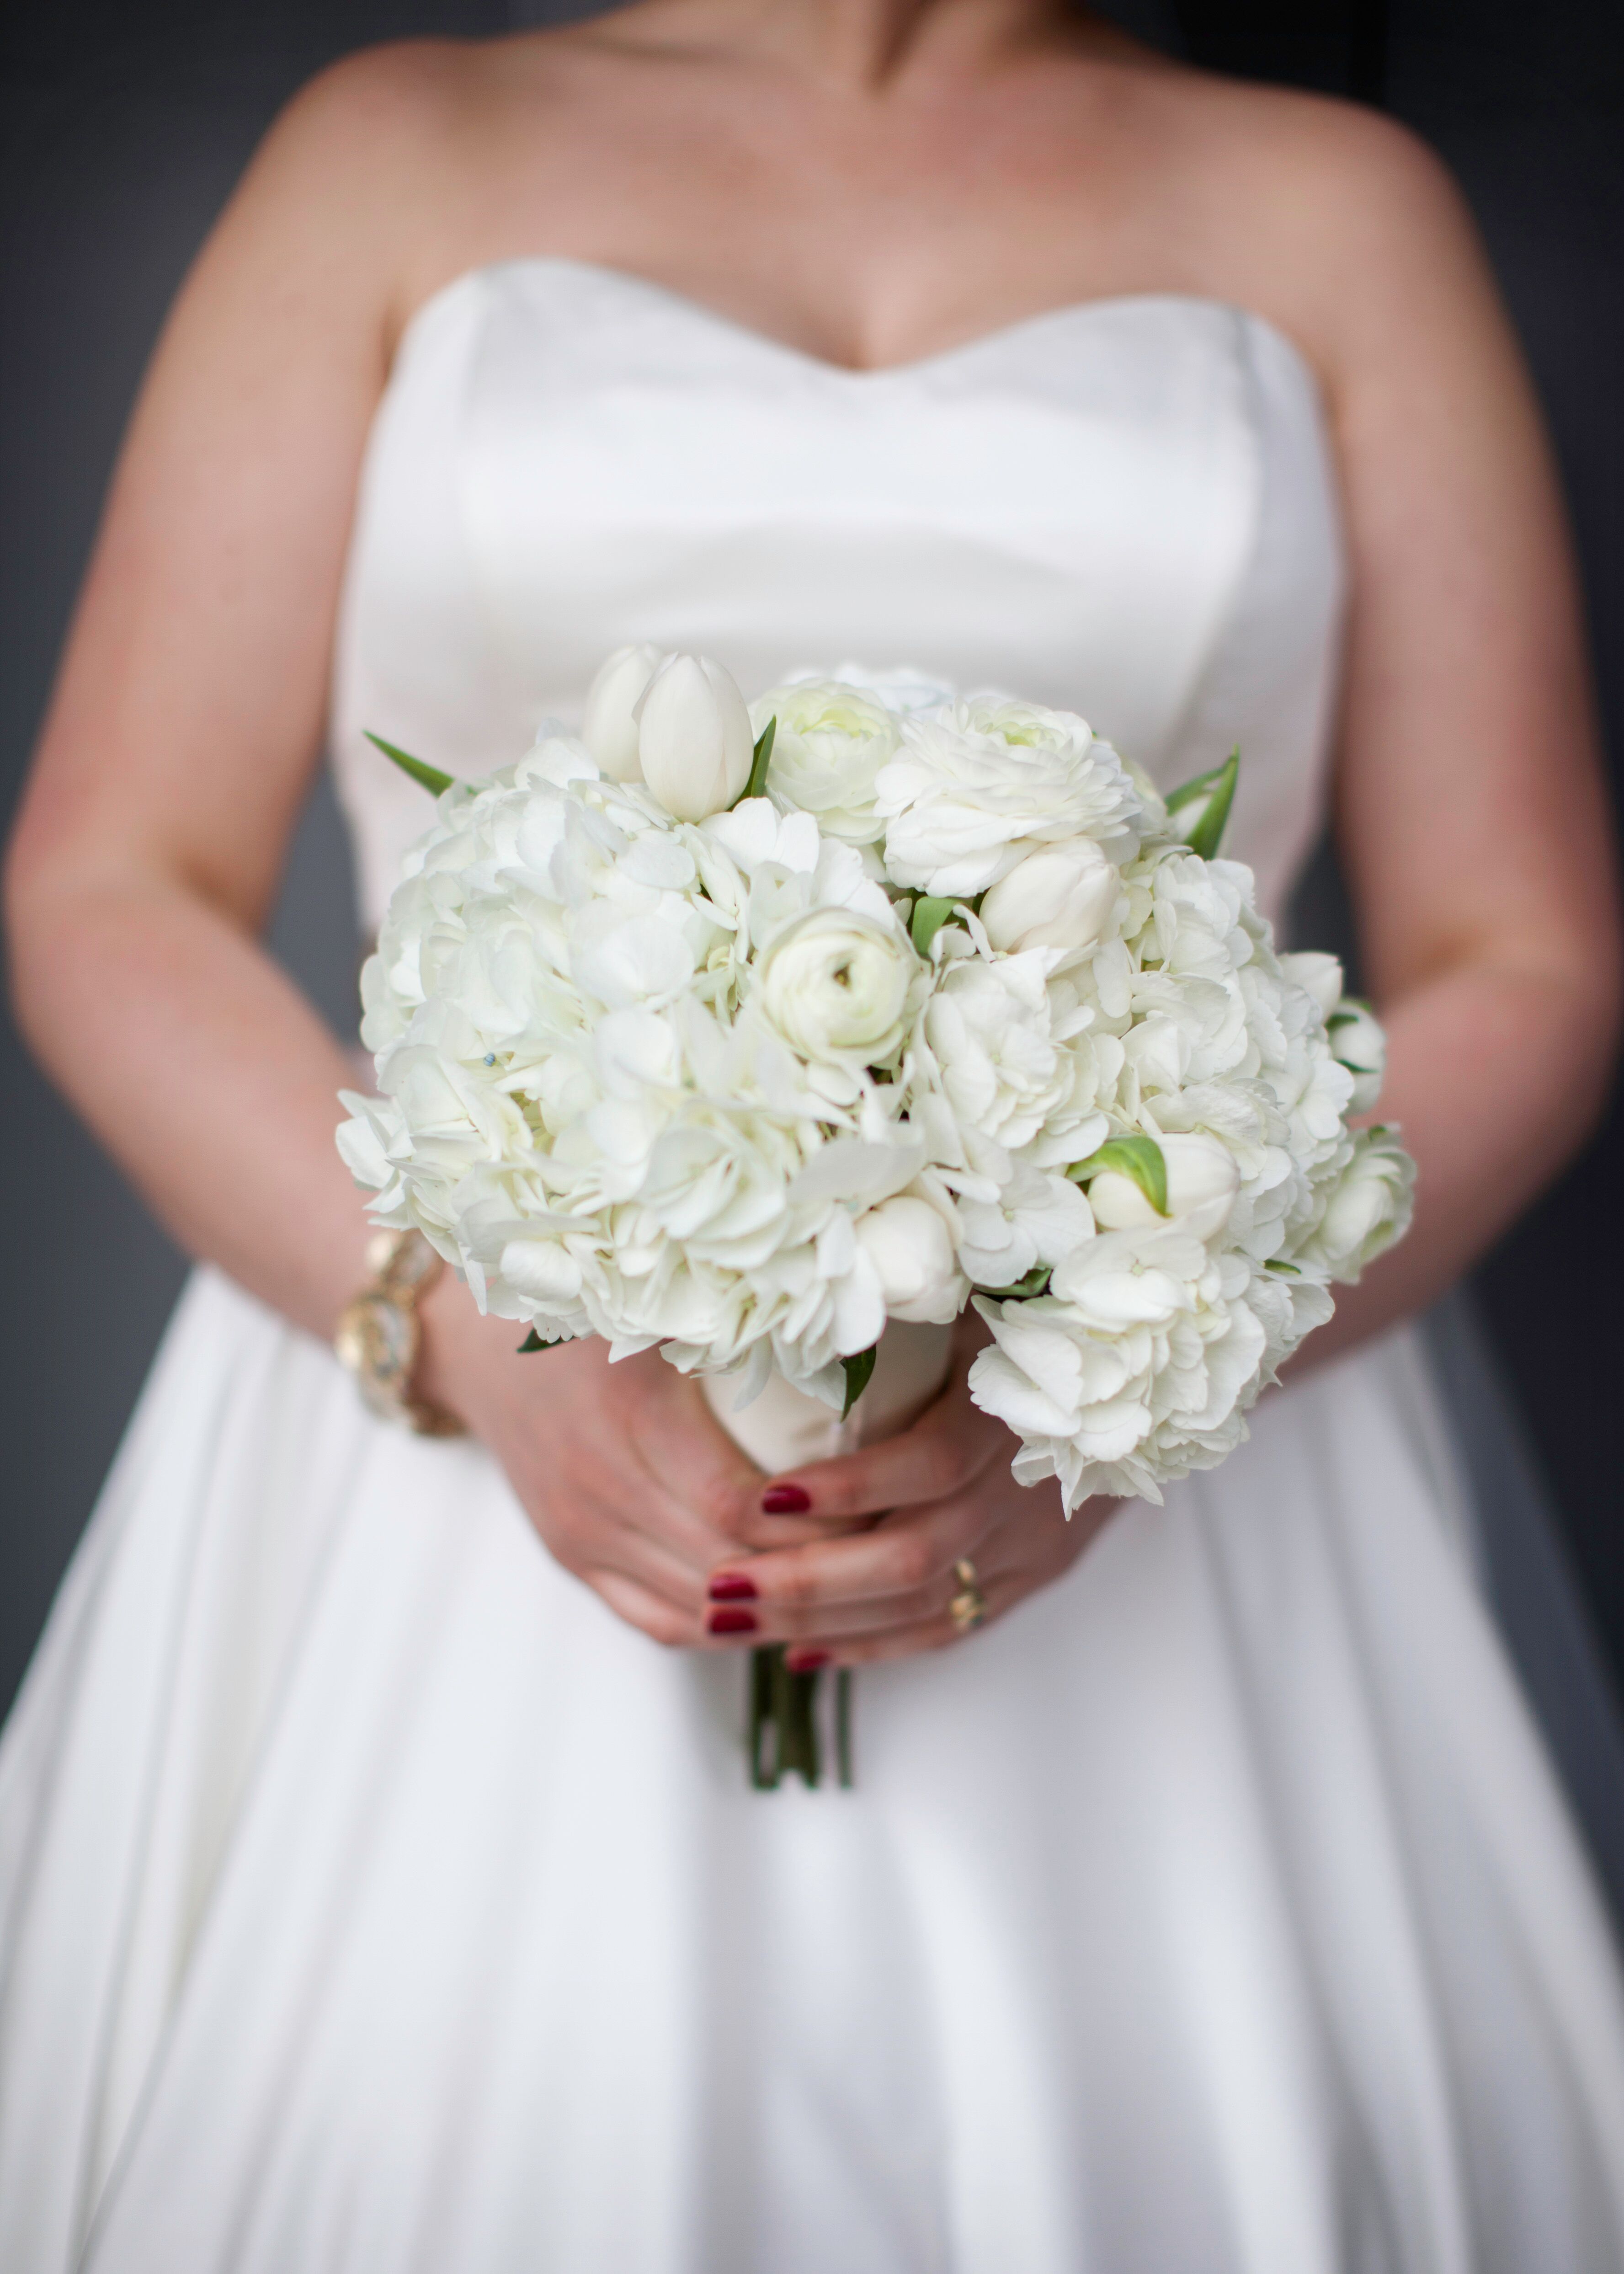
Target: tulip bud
(609,722)
(693,737)
(1060,896)
(1202,1181)
(1358,1044)
(911,1248)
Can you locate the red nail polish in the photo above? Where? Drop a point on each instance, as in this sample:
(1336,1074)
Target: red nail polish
(732,1587)
(806,1661)
(785,1500)
(721,1623)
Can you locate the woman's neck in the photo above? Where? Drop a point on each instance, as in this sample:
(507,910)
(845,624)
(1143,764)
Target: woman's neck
(871,43)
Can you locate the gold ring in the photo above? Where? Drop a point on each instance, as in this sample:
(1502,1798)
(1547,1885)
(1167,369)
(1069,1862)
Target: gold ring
(968,1607)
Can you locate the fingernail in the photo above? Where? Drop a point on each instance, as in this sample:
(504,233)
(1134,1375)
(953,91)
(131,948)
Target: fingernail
(731,1622)
(785,1500)
(806,1661)
(732,1587)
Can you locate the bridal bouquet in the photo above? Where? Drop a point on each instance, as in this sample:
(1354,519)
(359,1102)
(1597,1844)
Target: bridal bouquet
(740,1033)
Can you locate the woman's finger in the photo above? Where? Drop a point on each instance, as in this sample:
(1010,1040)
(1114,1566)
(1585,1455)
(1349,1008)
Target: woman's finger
(653,1614)
(951,1444)
(696,1484)
(937,1629)
(904,1564)
(1014,1542)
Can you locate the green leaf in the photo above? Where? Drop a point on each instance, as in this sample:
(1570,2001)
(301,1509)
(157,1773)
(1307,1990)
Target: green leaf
(756,786)
(419,769)
(1036,1283)
(1212,795)
(1138,1157)
(1279,1263)
(929,914)
(857,1370)
(533,1342)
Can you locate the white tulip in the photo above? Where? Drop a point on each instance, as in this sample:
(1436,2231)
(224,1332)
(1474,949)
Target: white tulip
(1060,896)
(693,737)
(911,1248)
(1202,1180)
(609,722)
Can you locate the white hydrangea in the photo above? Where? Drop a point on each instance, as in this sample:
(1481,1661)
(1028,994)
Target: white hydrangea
(1227,1066)
(726,1087)
(589,1101)
(1133,1370)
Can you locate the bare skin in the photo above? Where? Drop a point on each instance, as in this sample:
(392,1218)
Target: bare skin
(870,181)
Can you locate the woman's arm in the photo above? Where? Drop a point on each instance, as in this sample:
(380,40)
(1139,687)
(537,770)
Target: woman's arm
(188,719)
(1470,805)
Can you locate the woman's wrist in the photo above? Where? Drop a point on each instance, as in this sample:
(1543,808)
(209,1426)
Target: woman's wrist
(460,1350)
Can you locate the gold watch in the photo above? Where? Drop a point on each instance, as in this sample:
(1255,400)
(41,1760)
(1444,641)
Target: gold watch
(380,1333)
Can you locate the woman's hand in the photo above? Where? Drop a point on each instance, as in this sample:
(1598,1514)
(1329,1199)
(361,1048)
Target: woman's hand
(634,1488)
(939,1494)
(630,1481)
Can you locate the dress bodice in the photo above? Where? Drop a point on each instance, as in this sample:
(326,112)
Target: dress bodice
(1125,508)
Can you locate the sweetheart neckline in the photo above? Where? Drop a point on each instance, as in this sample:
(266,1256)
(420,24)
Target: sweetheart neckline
(855,375)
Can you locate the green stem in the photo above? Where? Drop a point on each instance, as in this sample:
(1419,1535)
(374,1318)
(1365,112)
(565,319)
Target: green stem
(763,1733)
(783,1723)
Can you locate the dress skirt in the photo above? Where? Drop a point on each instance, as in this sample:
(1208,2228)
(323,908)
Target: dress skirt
(373,1900)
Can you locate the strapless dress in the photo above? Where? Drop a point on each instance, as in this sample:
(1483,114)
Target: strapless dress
(373,1900)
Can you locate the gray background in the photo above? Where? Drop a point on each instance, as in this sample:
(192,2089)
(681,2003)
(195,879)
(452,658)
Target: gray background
(123,125)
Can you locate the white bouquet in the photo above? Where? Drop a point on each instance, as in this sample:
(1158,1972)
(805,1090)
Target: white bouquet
(738,1034)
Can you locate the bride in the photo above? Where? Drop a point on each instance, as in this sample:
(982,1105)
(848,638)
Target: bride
(379,1885)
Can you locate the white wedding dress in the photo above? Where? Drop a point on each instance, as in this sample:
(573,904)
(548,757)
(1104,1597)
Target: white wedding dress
(373,1900)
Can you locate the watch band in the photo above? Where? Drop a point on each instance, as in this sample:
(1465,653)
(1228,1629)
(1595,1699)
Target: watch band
(380,1333)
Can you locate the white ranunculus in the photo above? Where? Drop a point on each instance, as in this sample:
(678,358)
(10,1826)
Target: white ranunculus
(609,721)
(693,739)
(835,985)
(830,743)
(1060,896)
(1358,1044)
(1202,1181)
(911,1247)
(976,785)
(1367,1208)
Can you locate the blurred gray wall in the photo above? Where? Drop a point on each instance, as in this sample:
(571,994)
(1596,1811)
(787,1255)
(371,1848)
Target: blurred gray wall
(124,124)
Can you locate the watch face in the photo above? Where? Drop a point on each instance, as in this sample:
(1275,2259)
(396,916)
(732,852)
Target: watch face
(377,1339)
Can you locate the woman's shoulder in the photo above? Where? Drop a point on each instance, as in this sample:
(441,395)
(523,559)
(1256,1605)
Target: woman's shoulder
(403,156)
(1330,218)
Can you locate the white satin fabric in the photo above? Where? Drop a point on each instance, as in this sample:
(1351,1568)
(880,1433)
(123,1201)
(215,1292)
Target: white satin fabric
(371,1899)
